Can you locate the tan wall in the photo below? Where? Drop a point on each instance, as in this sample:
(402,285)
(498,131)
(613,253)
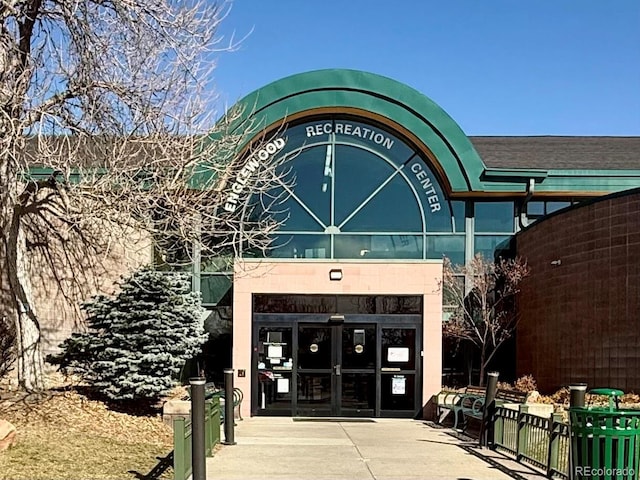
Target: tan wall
(57,302)
(359,278)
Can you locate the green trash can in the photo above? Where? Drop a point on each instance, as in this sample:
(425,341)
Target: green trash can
(605,441)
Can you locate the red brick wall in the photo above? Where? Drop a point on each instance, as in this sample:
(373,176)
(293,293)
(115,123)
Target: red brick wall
(580,320)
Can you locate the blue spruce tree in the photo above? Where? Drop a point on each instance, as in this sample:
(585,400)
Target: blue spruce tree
(138,340)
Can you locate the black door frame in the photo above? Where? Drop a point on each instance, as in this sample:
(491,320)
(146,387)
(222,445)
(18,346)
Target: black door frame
(337,370)
(381,321)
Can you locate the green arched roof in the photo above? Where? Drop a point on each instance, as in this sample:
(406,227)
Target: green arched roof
(398,104)
(378,95)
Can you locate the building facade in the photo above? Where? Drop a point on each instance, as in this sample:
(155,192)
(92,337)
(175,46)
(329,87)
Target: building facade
(343,316)
(581,305)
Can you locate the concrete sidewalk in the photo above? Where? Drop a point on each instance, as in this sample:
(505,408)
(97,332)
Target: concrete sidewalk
(270,448)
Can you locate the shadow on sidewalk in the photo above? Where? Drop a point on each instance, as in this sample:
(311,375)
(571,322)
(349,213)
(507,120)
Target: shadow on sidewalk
(499,461)
(505,464)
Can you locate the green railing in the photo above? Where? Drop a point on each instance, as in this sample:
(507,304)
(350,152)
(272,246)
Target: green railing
(182,438)
(539,441)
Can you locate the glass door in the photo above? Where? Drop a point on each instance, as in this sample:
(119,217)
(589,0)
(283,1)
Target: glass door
(357,383)
(275,370)
(316,370)
(368,366)
(336,370)
(399,386)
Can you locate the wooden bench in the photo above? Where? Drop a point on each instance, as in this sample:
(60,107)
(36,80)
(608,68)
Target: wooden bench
(510,396)
(470,403)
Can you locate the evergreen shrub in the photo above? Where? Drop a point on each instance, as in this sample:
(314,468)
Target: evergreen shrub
(138,340)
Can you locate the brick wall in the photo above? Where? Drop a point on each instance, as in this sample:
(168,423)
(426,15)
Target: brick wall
(581,318)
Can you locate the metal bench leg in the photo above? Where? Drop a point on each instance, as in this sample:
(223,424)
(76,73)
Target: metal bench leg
(443,413)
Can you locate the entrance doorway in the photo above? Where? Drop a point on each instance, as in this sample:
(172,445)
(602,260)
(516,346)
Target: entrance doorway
(337,365)
(336,370)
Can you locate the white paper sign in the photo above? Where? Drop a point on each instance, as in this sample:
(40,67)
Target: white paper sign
(283,385)
(398,354)
(398,385)
(274,351)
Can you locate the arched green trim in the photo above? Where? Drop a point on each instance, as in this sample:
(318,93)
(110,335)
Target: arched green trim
(351,89)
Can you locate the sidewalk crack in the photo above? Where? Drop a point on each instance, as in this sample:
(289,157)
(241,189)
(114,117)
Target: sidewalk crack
(362,458)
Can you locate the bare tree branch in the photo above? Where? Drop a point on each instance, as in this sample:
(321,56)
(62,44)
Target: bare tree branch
(108,134)
(487,316)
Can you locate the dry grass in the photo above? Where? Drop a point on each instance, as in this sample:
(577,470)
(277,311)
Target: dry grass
(64,435)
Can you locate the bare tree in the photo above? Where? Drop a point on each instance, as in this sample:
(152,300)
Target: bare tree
(484,314)
(108,137)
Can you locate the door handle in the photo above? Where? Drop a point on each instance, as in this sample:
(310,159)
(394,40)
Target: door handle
(336,370)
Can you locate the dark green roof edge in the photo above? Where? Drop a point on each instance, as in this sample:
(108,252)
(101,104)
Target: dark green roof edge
(376,94)
(459,160)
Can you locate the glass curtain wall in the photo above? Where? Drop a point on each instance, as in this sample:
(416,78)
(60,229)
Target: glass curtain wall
(359,191)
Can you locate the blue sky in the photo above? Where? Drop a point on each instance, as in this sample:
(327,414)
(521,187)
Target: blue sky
(498,67)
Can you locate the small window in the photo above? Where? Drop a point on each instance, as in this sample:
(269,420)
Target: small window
(492,246)
(535,208)
(214,288)
(451,246)
(555,206)
(494,217)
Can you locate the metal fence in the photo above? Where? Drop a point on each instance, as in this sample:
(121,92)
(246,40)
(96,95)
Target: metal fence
(182,439)
(540,441)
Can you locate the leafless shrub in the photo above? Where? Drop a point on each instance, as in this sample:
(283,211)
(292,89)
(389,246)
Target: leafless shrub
(484,314)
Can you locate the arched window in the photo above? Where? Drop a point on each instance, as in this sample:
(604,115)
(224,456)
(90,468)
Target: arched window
(359,191)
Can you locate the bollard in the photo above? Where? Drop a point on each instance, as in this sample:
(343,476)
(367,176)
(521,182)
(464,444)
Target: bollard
(577,394)
(229,416)
(488,412)
(198,454)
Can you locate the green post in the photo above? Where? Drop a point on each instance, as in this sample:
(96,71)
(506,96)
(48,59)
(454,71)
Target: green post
(179,463)
(523,432)
(215,420)
(553,463)
(207,429)
(499,431)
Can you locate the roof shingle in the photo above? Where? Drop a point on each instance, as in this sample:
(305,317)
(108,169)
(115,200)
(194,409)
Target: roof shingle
(565,153)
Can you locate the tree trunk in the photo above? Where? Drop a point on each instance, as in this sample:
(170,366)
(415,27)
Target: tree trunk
(7,302)
(15,288)
(8,195)
(30,360)
(482,366)
(468,356)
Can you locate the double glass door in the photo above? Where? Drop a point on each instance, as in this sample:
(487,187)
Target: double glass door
(336,370)
(312,367)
